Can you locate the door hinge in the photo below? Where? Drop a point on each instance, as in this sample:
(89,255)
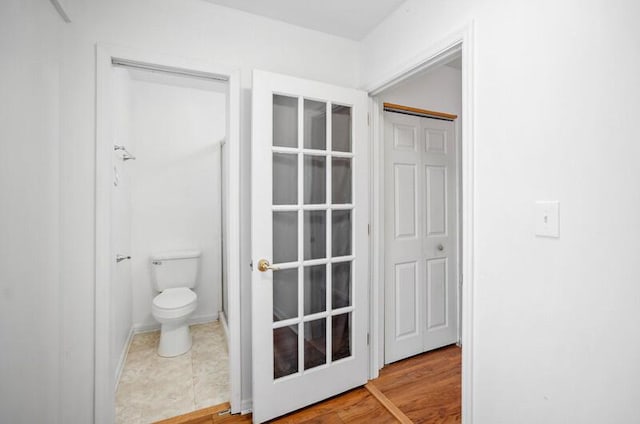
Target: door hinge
(368,339)
(368,119)
(369,229)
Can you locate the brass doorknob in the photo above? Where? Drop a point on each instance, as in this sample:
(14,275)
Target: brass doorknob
(264,266)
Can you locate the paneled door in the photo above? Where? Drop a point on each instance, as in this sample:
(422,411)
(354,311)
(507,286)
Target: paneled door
(309,242)
(421,235)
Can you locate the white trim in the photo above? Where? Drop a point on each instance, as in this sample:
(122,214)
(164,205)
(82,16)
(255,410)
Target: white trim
(469,195)
(104,398)
(123,359)
(376,341)
(459,241)
(435,54)
(104,402)
(460,41)
(203,319)
(233,242)
(225,325)
(146,328)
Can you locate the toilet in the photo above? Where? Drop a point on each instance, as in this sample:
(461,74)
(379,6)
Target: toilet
(174,275)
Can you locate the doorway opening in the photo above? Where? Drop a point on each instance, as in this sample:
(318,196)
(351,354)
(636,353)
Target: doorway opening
(422,238)
(167,237)
(421,220)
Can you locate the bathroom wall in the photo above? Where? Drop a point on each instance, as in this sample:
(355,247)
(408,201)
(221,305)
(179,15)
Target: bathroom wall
(121,282)
(177,125)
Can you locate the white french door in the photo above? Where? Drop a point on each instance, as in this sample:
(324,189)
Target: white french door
(309,212)
(421,235)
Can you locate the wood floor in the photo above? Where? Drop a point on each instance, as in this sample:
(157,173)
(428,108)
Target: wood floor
(422,389)
(427,387)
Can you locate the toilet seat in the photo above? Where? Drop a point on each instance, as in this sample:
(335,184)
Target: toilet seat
(175,298)
(174,303)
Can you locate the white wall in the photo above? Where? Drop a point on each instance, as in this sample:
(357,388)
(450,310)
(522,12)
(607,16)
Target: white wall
(188,28)
(30,347)
(557,94)
(557,99)
(121,282)
(439,90)
(176,131)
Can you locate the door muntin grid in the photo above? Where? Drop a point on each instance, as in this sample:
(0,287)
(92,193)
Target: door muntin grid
(313,311)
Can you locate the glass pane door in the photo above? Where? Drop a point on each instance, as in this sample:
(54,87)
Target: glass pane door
(309,213)
(312,234)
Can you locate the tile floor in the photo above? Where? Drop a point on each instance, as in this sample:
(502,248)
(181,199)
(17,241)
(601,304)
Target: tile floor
(153,388)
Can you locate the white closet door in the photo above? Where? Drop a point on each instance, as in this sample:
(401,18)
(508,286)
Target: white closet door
(420,235)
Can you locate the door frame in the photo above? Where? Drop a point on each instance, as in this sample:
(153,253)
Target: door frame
(104,386)
(460,41)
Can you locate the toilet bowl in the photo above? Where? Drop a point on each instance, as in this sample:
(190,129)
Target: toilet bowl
(171,308)
(174,276)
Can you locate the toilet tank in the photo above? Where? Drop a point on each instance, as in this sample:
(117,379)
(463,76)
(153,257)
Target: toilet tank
(175,269)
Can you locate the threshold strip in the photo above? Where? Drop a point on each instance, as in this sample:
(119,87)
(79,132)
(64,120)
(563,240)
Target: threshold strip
(386,402)
(198,416)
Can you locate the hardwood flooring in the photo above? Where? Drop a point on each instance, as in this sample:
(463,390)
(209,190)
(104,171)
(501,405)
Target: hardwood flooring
(356,406)
(424,389)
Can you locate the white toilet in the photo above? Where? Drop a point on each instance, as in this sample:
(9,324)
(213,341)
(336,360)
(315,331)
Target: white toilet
(174,274)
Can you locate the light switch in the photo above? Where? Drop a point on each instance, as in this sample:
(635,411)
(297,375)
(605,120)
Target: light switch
(548,218)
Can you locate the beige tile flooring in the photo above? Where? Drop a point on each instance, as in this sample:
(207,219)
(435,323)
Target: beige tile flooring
(153,388)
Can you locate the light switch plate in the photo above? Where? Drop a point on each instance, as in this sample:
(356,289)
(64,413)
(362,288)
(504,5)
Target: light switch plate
(548,219)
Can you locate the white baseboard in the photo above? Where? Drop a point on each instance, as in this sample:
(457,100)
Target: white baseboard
(145,327)
(246,406)
(203,319)
(123,359)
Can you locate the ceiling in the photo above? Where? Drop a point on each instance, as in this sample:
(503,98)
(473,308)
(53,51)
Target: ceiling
(352,19)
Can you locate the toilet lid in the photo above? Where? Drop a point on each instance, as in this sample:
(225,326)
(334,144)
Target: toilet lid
(174,298)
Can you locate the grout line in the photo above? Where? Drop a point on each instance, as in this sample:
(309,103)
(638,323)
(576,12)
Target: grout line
(386,402)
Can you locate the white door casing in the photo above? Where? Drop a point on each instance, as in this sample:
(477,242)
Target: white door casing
(310,315)
(421,264)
